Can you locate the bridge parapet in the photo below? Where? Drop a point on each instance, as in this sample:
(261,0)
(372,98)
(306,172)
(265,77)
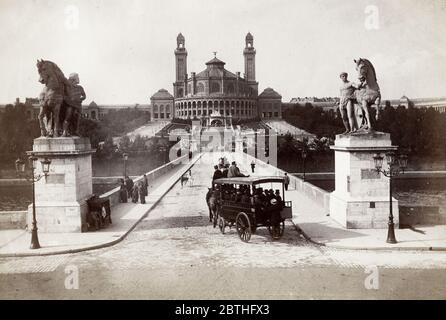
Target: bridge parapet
(113,195)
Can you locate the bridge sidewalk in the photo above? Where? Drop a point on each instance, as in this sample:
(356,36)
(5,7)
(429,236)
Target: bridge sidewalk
(316,226)
(125,217)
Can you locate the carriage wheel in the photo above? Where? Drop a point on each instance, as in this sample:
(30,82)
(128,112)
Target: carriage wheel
(243,226)
(221,224)
(277,231)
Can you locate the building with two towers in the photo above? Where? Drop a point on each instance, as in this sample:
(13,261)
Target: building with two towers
(218,96)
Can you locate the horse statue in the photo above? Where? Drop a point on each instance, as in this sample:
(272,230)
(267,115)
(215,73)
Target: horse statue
(368,93)
(54,99)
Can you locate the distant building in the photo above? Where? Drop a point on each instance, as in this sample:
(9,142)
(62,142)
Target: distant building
(218,92)
(31,106)
(326,103)
(329,103)
(270,104)
(438,104)
(161,105)
(97,112)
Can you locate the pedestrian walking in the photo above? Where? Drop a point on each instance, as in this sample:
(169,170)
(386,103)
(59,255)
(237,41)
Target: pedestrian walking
(142,190)
(129,186)
(253,165)
(135,193)
(145,185)
(286,181)
(122,191)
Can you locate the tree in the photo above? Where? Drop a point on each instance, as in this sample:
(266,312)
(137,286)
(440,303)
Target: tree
(124,143)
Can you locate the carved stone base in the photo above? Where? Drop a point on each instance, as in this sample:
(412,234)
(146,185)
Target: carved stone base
(61,197)
(361,196)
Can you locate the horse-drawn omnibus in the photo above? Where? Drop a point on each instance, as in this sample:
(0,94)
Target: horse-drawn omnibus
(249,213)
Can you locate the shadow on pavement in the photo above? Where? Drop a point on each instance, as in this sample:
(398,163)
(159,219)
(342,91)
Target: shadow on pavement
(175,222)
(322,232)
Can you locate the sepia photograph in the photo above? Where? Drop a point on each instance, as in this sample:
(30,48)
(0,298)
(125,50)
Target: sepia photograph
(222,155)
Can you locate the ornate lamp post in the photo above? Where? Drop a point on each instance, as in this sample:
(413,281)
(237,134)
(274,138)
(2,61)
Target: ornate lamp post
(397,165)
(20,169)
(125,156)
(304,156)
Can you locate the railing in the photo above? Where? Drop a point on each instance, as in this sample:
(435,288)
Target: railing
(13,219)
(318,196)
(113,195)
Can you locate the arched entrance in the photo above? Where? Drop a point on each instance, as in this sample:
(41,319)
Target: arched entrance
(216,123)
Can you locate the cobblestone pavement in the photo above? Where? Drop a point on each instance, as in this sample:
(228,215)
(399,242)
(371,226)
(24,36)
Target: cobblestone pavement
(177,235)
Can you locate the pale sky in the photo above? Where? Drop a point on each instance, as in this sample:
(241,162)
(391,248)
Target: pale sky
(123,49)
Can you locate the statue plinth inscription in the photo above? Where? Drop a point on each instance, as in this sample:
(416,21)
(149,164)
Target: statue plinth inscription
(361,196)
(61,198)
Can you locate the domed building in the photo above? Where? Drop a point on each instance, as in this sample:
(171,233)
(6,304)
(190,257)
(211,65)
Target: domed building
(215,95)
(161,105)
(270,104)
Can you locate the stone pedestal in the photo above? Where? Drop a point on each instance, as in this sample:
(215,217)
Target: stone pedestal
(361,196)
(61,197)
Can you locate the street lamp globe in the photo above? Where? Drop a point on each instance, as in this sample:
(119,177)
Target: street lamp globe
(125,156)
(378,159)
(46,166)
(403,161)
(19,166)
(391,158)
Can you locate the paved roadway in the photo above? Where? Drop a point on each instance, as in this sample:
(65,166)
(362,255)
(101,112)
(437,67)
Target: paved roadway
(176,254)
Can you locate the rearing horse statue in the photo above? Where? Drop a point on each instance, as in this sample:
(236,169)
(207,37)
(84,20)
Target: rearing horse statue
(51,98)
(368,93)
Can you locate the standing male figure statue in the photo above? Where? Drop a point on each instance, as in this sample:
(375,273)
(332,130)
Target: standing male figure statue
(346,103)
(76,95)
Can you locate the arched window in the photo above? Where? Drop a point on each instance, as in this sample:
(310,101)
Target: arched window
(200,87)
(180,92)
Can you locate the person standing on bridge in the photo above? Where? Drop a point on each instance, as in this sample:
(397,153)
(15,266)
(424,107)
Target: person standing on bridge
(142,190)
(145,185)
(135,193)
(122,191)
(129,186)
(286,181)
(253,165)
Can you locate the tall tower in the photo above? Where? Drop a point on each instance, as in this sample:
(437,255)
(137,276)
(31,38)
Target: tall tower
(180,67)
(249,54)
